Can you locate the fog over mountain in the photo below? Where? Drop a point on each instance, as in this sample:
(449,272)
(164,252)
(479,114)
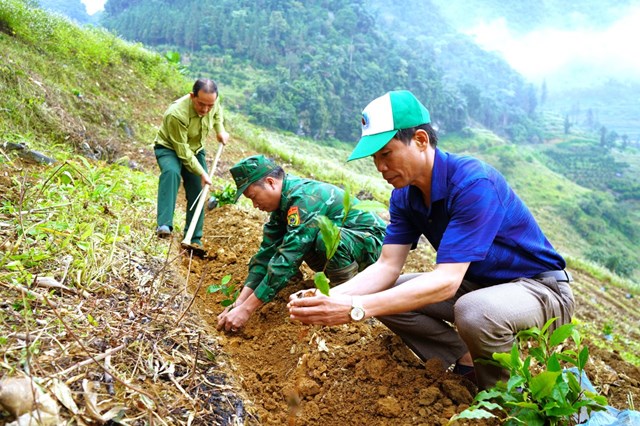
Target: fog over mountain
(585,52)
(567,57)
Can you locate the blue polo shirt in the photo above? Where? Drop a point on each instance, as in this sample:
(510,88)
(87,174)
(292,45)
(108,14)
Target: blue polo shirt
(474,217)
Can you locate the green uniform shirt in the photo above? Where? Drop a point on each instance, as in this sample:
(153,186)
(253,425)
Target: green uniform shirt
(185,132)
(292,230)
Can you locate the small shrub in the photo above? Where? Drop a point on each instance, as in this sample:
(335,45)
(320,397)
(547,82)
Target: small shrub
(553,396)
(226,195)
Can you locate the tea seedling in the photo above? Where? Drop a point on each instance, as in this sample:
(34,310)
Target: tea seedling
(230,291)
(553,396)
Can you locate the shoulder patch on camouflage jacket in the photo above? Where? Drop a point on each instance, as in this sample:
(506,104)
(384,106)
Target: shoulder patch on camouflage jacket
(293,216)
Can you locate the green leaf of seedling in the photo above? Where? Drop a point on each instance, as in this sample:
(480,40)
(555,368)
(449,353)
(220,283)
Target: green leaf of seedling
(470,413)
(583,358)
(528,334)
(526,369)
(546,325)
(573,382)
(553,364)
(601,400)
(226,302)
(330,234)
(503,359)
(524,404)
(538,354)
(487,395)
(529,418)
(514,382)
(225,280)
(213,288)
(322,282)
(516,362)
(560,334)
(542,384)
(567,358)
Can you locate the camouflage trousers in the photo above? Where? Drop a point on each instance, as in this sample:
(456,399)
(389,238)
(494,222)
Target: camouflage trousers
(356,251)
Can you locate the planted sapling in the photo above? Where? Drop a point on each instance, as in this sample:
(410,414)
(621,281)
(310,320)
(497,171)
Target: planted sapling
(540,391)
(228,289)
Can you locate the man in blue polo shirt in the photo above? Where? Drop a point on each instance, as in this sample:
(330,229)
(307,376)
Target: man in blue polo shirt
(495,273)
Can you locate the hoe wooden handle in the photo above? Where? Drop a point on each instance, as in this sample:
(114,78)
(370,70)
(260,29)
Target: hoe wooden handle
(201,200)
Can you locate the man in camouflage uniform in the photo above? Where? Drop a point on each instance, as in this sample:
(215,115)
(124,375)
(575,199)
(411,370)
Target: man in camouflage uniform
(292,234)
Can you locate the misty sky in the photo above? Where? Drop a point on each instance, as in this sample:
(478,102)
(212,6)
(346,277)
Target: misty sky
(599,53)
(94,6)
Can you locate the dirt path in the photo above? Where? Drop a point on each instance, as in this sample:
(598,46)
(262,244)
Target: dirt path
(295,374)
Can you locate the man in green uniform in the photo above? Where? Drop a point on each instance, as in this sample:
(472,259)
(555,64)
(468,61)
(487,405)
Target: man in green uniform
(292,234)
(179,150)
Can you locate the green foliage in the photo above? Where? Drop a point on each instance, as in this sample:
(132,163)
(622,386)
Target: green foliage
(71,85)
(539,390)
(227,288)
(64,217)
(225,195)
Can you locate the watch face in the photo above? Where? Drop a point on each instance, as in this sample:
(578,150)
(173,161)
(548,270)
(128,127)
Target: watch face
(357,314)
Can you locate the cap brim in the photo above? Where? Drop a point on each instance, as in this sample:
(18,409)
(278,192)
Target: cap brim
(371,144)
(240,190)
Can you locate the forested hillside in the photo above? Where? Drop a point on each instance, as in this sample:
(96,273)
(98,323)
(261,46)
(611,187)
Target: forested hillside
(308,67)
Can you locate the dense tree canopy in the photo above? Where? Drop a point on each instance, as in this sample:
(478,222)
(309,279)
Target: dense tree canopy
(321,61)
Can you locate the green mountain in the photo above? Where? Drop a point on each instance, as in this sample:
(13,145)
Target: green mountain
(307,67)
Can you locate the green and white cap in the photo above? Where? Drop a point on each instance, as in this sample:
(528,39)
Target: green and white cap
(384,116)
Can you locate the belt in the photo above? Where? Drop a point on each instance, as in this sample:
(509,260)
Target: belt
(560,276)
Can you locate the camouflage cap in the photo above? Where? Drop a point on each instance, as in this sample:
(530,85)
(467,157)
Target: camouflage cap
(250,170)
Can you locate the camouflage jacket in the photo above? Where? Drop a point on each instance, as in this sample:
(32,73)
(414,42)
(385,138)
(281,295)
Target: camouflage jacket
(292,230)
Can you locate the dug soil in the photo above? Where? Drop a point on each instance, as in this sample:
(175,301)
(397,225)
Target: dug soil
(361,373)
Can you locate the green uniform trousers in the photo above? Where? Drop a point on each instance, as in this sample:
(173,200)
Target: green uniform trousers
(171,171)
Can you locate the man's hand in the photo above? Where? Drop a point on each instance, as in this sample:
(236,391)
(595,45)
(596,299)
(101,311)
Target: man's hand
(233,319)
(205,180)
(319,309)
(222,137)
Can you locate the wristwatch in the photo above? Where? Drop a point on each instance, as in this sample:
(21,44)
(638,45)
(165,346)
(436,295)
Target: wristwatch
(357,311)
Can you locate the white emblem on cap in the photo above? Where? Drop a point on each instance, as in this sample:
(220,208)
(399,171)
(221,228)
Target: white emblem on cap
(377,117)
